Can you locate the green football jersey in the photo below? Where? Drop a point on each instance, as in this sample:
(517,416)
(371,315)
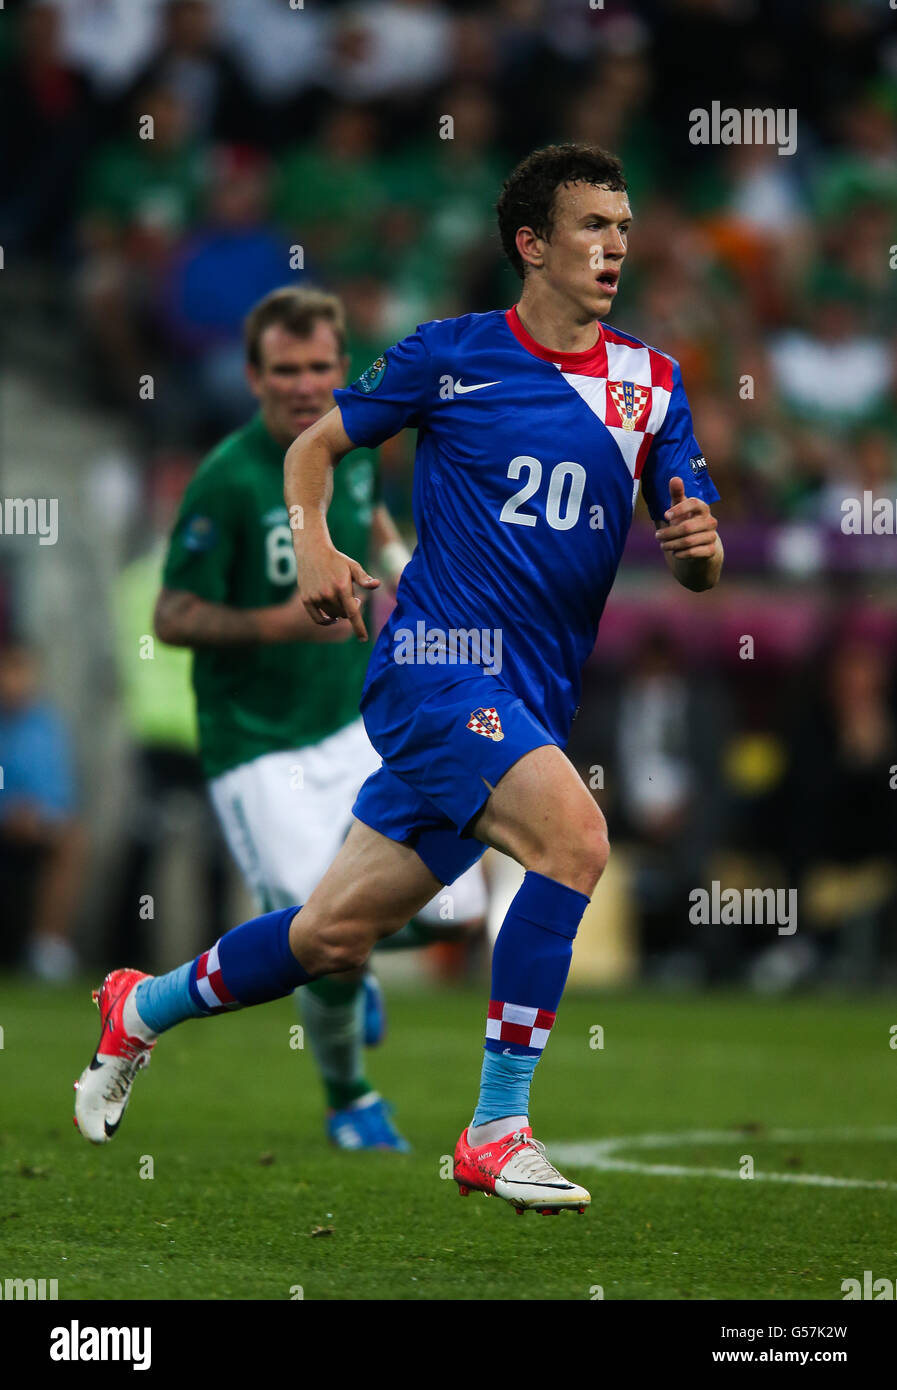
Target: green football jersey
(232,544)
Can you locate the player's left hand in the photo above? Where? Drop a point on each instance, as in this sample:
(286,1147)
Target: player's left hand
(689,527)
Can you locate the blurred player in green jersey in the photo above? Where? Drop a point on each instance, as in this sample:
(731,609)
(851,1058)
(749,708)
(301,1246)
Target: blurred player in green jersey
(282,742)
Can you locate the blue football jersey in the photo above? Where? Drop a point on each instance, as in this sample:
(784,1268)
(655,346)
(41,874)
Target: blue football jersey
(526,474)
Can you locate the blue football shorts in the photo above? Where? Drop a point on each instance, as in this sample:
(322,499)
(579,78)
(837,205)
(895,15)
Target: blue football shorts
(445,744)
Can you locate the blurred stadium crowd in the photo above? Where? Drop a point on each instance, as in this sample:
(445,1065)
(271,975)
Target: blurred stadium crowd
(313,142)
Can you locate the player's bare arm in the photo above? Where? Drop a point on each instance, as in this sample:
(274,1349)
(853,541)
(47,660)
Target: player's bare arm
(689,540)
(183,619)
(325,575)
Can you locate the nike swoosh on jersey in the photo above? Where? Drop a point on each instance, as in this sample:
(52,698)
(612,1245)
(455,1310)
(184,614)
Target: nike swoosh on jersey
(477,386)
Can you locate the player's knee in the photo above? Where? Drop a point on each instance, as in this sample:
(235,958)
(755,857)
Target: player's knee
(590,853)
(578,854)
(596,852)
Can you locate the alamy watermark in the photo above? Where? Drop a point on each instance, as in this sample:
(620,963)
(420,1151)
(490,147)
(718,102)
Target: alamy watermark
(77,1343)
(736,906)
(869,515)
(455,646)
(29,1288)
(30,516)
(874,1289)
(729,126)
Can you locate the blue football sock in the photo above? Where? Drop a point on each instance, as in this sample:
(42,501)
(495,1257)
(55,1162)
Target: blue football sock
(530,963)
(251,964)
(504,1087)
(165,1000)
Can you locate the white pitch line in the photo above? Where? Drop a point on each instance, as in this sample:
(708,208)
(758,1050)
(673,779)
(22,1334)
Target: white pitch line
(601,1154)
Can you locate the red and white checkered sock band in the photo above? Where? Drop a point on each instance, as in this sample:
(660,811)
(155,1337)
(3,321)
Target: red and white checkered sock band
(211,988)
(518,1023)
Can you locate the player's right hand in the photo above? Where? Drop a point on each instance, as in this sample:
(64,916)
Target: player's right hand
(290,622)
(325,586)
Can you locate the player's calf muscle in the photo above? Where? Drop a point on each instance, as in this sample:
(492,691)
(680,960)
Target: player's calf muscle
(341,941)
(370,890)
(333,949)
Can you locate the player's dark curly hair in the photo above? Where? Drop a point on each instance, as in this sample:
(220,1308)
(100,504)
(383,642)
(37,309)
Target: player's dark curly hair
(527,196)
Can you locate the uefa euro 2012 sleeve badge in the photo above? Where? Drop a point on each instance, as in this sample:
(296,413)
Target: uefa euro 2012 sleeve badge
(630,401)
(370,378)
(199,534)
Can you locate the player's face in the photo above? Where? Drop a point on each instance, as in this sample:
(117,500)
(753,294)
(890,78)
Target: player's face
(588,245)
(295,382)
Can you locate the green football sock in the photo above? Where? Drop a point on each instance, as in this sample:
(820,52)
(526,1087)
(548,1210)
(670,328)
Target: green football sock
(332,1011)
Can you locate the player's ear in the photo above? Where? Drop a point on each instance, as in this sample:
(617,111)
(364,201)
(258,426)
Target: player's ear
(344,368)
(254,379)
(529,246)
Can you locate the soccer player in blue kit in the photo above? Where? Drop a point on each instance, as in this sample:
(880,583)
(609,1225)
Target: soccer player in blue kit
(537,426)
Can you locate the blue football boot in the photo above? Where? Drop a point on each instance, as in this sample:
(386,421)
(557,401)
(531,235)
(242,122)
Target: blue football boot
(366,1124)
(374,1011)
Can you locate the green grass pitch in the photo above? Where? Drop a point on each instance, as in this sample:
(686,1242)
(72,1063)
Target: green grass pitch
(231,1117)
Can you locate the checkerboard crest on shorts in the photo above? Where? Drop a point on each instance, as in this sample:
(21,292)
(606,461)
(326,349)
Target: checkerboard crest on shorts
(487,723)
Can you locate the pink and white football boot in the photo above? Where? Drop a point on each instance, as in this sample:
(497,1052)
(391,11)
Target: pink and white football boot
(103,1089)
(516,1169)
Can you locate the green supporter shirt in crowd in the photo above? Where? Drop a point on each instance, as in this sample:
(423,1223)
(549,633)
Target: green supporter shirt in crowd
(134,185)
(232,544)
